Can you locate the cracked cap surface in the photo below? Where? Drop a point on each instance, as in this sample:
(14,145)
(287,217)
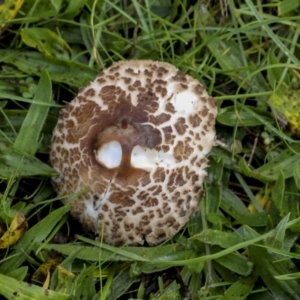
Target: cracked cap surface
(137,137)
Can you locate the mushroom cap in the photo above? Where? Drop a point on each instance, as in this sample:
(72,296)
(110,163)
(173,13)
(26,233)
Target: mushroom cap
(137,137)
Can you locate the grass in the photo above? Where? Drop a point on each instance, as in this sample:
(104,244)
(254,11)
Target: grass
(243,243)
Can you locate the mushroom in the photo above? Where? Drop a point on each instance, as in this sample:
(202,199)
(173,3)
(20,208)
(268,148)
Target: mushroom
(137,138)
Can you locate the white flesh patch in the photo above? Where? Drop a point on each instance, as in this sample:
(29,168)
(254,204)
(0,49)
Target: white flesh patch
(110,154)
(145,158)
(185,101)
(90,210)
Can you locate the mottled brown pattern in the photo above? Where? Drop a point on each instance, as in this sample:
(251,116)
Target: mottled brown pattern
(165,148)
(89,92)
(204,111)
(148,73)
(148,102)
(180,77)
(184,86)
(119,198)
(161,90)
(169,137)
(170,108)
(160,119)
(195,120)
(131,103)
(193,160)
(180,126)
(100,80)
(159,175)
(151,202)
(199,90)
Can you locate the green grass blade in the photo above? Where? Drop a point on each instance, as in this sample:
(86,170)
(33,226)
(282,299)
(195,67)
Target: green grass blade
(60,70)
(236,263)
(14,162)
(14,289)
(268,269)
(85,287)
(271,34)
(29,134)
(241,289)
(121,283)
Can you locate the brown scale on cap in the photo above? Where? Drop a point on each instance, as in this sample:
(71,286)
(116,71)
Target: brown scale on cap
(137,137)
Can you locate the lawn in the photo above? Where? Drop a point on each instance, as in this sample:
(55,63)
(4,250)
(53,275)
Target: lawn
(243,242)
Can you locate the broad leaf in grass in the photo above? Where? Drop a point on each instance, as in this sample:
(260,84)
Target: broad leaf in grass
(170,292)
(296,173)
(276,239)
(233,205)
(105,252)
(60,70)
(14,289)
(286,7)
(258,219)
(46,41)
(66,281)
(218,237)
(236,116)
(138,268)
(120,284)
(291,200)
(85,285)
(18,274)
(283,163)
(218,219)
(268,125)
(228,157)
(74,7)
(236,263)
(14,162)
(8,11)
(28,137)
(240,289)
(269,267)
(278,191)
(214,189)
(41,9)
(12,121)
(275,71)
